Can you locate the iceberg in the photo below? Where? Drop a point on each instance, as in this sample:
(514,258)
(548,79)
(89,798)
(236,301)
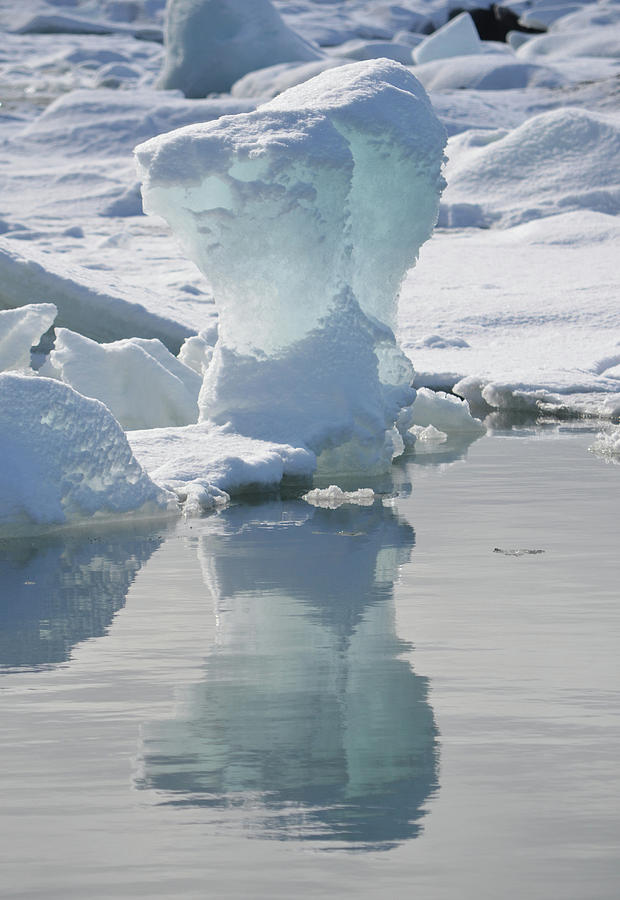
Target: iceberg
(305,216)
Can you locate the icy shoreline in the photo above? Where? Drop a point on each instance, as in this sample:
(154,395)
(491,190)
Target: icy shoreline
(512,306)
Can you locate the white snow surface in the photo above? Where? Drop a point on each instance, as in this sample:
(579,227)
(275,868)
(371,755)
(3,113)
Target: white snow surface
(65,459)
(513,303)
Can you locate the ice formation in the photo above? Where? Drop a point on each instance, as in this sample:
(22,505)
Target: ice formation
(64,458)
(139,380)
(305,215)
(212,43)
(20,330)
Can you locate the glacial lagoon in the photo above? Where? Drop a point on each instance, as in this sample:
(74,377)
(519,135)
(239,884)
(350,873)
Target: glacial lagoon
(413,698)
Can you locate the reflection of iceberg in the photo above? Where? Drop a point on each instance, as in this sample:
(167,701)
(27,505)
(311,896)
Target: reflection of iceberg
(62,590)
(307,717)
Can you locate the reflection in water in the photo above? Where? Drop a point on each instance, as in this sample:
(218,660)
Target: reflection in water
(62,590)
(308,717)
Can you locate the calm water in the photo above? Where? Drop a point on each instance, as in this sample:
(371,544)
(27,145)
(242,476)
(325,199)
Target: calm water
(368,702)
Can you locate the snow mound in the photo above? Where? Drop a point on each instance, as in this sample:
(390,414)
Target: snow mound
(64,458)
(105,123)
(486,72)
(210,44)
(458,37)
(139,380)
(555,162)
(305,215)
(603,42)
(264,84)
(101,311)
(333,497)
(20,330)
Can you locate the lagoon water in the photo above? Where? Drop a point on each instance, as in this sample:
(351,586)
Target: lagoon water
(384,701)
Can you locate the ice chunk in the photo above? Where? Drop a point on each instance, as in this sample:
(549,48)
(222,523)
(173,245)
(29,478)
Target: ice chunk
(212,43)
(139,380)
(333,497)
(458,37)
(305,215)
(445,411)
(64,458)
(197,350)
(20,330)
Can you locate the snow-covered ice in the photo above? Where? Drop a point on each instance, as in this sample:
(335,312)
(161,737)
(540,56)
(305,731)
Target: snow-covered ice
(513,304)
(65,459)
(139,380)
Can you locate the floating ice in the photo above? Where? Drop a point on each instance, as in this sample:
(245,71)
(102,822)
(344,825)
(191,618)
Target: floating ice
(333,497)
(212,43)
(64,458)
(139,380)
(305,215)
(20,330)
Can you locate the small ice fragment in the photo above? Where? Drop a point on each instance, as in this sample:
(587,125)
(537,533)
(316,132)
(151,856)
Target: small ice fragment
(428,434)
(332,497)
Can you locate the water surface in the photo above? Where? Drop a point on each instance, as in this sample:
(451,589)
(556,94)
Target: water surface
(280,698)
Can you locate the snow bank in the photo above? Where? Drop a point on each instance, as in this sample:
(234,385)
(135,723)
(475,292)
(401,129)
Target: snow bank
(20,330)
(84,300)
(555,162)
(210,44)
(486,72)
(139,380)
(305,215)
(601,42)
(64,458)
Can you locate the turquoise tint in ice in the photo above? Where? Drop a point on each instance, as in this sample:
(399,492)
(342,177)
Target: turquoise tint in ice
(305,216)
